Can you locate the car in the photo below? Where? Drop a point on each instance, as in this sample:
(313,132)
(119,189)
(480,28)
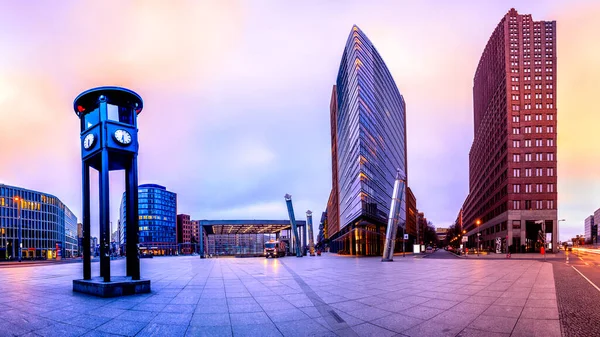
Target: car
(429,249)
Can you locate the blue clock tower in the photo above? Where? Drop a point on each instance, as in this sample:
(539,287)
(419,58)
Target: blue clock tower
(108,117)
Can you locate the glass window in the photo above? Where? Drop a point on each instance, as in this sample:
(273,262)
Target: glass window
(91,119)
(112,112)
(119,113)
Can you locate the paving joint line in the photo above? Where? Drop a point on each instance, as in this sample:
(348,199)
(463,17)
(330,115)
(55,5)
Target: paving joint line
(323,308)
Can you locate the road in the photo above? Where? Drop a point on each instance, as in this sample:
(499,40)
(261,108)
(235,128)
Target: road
(577,280)
(441,254)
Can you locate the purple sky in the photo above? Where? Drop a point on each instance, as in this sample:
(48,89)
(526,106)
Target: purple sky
(237,96)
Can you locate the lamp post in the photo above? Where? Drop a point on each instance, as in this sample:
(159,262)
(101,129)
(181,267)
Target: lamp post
(478,222)
(553,249)
(18,201)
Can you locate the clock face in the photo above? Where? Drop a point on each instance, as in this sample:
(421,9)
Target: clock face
(88,141)
(123,137)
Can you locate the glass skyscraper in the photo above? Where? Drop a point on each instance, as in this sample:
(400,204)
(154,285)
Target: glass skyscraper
(368,146)
(47,225)
(158,220)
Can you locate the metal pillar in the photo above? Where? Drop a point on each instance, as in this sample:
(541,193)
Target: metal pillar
(392,227)
(19,220)
(288,201)
(311,240)
(104,219)
(304,239)
(87,262)
(132,224)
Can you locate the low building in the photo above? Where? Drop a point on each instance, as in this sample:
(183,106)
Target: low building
(441,233)
(186,240)
(48,227)
(247,237)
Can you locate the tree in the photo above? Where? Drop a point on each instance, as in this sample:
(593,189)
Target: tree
(429,235)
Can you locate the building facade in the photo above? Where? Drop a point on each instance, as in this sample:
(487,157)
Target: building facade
(48,227)
(441,233)
(591,227)
(368,125)
(512,162)
(79,239)
(411,213)
(157,220)
(187,235)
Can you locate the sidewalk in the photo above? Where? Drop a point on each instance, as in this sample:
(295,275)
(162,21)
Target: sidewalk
(30,263)
(517,256)
(319,296)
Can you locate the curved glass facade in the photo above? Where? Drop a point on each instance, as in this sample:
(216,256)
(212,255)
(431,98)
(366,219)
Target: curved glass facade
(158,220)
(47,225)
(371,142)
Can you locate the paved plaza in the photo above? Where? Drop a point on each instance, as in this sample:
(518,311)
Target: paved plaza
(311,296)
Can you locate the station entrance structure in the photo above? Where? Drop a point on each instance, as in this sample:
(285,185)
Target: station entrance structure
(243,238)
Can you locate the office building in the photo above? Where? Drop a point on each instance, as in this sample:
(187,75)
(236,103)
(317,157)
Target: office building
(512,161)
(157,211)
(368,125)
(591,227)
(411,219)
(187,235)
(79,239)
(48,227)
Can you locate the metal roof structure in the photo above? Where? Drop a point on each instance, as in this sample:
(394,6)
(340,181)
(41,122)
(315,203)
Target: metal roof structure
(246,226)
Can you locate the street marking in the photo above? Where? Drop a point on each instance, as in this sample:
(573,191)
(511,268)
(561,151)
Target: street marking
(587,264)
(587,279)
(581,259)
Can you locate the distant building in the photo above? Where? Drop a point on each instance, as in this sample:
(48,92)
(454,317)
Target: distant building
(94,249)
(79,239)
(591,228)
(422,226)
(47,225)
(187,235)
(411,215)
(441,233)
(157,220)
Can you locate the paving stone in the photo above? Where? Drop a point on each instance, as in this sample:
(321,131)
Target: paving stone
(211,319)
(397,322)
(266,330)
(122,327)
(537,328)
(209,331)
(503,311)
(494,324)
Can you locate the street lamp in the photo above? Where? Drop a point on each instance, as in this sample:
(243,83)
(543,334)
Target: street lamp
(553,248)
(478,222)
(18,201)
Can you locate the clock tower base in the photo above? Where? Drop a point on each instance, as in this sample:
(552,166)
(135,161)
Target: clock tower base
(118,286)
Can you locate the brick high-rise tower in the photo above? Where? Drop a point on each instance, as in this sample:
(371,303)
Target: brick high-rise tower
(512,162)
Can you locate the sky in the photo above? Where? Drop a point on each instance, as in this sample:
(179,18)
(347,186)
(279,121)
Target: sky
(236,97)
